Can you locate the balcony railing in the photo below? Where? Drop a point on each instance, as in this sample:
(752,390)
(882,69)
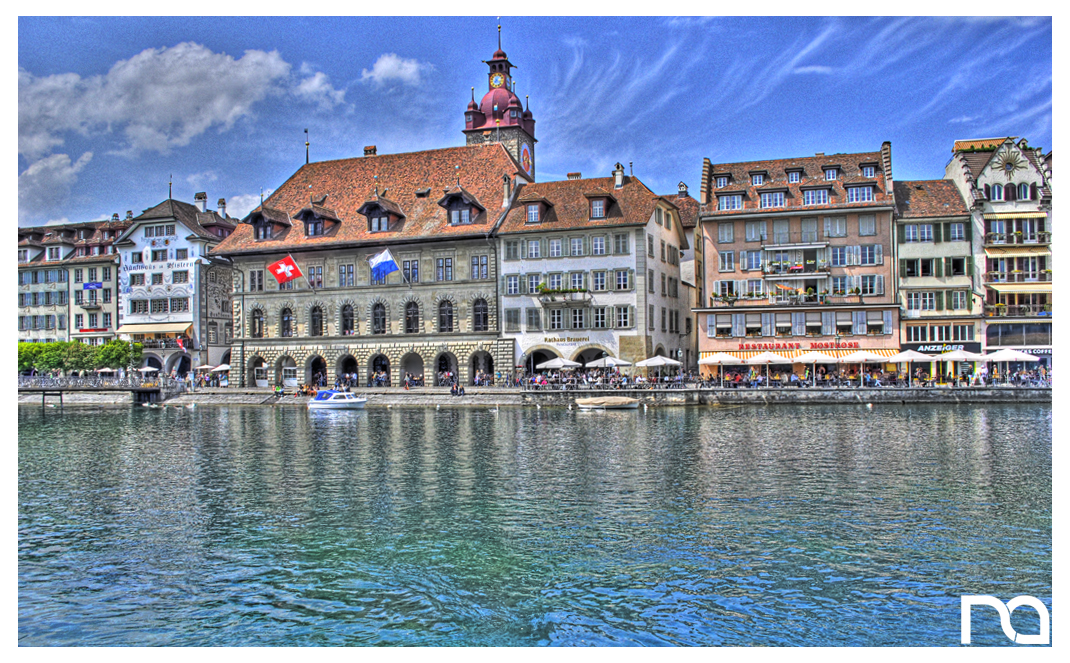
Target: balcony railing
(793,237)
(1017,238)
(1018,277)
(161,344)
(796,269)
(91,305)
(1024,311)
(561,298)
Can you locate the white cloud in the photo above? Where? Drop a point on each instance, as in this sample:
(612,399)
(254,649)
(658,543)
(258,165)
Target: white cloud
(813,69)
(198,180)
(318,90)
(239,206)
(160,98)
(45,184)
(389,68)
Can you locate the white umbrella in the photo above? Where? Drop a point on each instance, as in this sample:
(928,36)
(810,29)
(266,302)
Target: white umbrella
(558,362)
(815,358)
(221,368)
(767,358)
(148,369)
(1009,355)
(105,370)
(608,362)
(861,357)
(203,368)
(959,355)
(719,359)
(907,356)
(658,360)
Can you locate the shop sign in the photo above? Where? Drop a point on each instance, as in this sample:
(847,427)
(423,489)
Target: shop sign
(566,340)
(833,345)
(92,330)
(1040,352)
(940,348)
(92,286)
(830,345)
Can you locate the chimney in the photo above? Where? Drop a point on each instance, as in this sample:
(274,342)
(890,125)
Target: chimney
(618,176)
(575,176)
(222,206)
(201,201)
(506,182)
(129,214)
(369,151)
(820,154)
(683,190)
(115,217)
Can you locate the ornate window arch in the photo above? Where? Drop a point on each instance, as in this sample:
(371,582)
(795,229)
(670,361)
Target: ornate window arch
(348,320)
(997,192)
(480,315)
(315,321)
(256,323)
(445,316)
(286,323)
(378,318)
(412,318)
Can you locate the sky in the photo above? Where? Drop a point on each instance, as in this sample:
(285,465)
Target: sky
(111,109)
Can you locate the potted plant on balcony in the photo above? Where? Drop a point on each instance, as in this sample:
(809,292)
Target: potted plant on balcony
(1001,309)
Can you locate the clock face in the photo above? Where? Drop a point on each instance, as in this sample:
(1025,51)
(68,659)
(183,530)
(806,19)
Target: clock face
(525,158)
(497,80)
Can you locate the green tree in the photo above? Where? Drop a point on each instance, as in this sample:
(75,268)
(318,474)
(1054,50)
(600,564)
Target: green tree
(118,354)
(81,356)
(52,356)
(28,355)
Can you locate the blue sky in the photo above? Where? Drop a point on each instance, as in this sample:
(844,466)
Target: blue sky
(110,108)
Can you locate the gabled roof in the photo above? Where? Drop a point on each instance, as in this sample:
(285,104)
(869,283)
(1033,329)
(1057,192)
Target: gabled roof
(929,198)
(478,168)
(978,144)
(570,207)
(186,214)
(813,175)
(687,207)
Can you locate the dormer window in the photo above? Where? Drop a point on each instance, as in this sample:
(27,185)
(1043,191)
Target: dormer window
(868,171)
(830,174)
(757,179)
(722,181)
(379,223)
(794,176)
(460,216)
(314,228)
(24,255)
(533,213)
(262,230)
(598,208)
(53,253)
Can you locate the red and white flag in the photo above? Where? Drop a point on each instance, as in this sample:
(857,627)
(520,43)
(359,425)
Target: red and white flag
(285,270)
(181,345)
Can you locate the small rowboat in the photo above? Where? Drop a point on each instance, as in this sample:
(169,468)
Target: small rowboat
(608,403)
(337,400)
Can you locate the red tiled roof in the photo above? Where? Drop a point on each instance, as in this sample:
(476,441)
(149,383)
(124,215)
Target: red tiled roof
(189,215)
(632,204)
(812,176)
(350,182)
(688,208)
(978,144)
(929,198)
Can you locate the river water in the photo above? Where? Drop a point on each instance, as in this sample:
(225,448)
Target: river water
(786,525)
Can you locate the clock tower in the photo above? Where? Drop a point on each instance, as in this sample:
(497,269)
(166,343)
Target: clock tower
(500,117)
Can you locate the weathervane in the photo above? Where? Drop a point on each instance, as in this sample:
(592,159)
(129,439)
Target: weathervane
(306,147)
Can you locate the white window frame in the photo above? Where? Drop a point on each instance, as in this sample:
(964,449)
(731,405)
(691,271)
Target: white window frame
(726,261)
(794,176)
(757,180)
(512,285)
(869,171)
(555,248)
(725,232)
(772,199)
(859,194)
(732,202)
(831,174)
(816,197)
(958,232)
(598,245)
(722,182)
(533,214)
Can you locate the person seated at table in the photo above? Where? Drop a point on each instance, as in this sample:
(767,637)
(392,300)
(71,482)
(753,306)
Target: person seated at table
(794,379)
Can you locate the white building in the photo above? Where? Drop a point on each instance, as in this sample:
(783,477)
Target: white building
(591,267)
(174,299)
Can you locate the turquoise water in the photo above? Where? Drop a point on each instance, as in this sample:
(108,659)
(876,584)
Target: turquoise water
(787,525)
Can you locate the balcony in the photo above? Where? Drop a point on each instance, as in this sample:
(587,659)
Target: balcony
(1018,277)
(795,238)
(564,298)
(810,268)
(1018,239)
(91,305)
(1026,311)
(161,344)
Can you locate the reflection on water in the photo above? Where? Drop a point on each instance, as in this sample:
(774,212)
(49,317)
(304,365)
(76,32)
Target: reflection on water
(818,525)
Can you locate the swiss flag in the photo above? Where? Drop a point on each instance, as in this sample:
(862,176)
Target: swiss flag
(285,270)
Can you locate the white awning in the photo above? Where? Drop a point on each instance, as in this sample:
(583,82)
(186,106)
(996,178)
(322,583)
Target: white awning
(156,328)
(1016,215)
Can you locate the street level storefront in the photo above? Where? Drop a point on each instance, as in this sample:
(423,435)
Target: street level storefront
(943,368)
(1034,338)
(791,351)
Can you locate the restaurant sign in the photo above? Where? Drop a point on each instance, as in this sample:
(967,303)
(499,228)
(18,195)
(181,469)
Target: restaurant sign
(566,340)
(797,346)
(940,348)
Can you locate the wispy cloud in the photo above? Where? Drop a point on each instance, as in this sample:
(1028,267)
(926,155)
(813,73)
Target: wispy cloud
(315,87)
(390,68)
(46,183)
(813,69)
(239,206)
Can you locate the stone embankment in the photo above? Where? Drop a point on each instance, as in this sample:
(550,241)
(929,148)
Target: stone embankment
(493,397)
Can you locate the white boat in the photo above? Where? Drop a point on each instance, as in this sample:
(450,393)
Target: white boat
(608,403)
(337,400)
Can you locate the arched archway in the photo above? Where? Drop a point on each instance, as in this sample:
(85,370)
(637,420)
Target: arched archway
(445,363)
(257,375)
(347,366)
(316,371)
(180,363)
(226,358)
(590,354)
(659,351)
(379,371)
(480,362)
(413,364)
(152,361)
(538,356)
(286,371)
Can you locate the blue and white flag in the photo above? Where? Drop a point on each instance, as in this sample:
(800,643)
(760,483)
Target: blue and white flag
(382,264)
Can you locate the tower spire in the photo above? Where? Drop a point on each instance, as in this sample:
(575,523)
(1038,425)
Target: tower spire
(499,33)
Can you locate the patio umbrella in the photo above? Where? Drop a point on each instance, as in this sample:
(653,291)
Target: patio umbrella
(559,362)
(1009,355)
(907,356)
(959,355)
(658,360)
(608,362)
(221,368)
(206,367)
(861,357)
(148,369)
(765,358)
(815,358)
(105,370)
(720,359)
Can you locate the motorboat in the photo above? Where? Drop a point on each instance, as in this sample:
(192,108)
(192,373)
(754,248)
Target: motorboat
(330,399)
(608,403)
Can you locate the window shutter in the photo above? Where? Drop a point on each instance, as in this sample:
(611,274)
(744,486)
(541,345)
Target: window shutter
(631,279)
(828,323)
(880,284)
(768,324)
(1010,192)
(859,322)
(969,268)
(888,322)
(902,268)
(938,267)
(828,227)
(711,320)
(936,232)
(968,230)
(798,324)
(1032,192)
(939,296)
(988,192)
(969,300)
(878,253)
(739,321)
(743,261)
(902,233)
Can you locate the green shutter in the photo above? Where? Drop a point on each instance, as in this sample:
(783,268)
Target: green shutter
(902,268)
(902,234)
(968,234)
(938,267)
(939,300)
(937,235)
(969,301)
(947,231)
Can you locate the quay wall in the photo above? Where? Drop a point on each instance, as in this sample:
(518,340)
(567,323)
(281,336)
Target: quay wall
(483,397)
